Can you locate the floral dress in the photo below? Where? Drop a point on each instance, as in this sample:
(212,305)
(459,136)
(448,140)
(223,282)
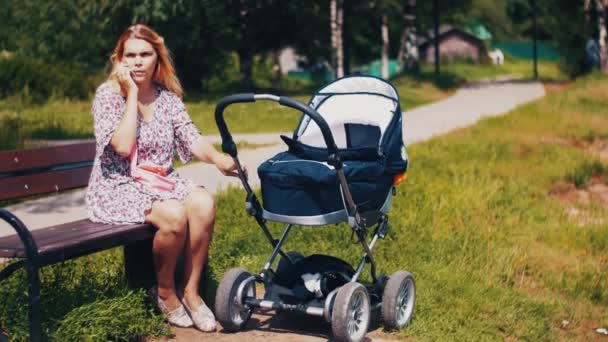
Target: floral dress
(113,196)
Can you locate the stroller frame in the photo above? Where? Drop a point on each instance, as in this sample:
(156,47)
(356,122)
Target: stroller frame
(356,220)
(360,223)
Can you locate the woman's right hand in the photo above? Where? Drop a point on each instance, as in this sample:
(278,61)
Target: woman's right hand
(123,75)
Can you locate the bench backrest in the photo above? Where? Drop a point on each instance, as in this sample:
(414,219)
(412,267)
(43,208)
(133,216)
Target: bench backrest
(43,170)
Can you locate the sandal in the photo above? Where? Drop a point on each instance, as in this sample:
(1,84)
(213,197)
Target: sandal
(178,317)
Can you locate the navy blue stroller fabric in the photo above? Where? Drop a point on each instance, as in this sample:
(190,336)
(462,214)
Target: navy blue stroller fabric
(364,116)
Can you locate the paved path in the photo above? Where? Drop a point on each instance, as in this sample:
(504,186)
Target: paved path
(467,106)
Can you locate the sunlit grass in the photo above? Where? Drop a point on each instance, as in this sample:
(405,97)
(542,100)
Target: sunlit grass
(494,255)
(511,69)
(56,120)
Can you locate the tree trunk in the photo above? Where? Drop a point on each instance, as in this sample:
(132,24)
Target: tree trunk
(436,37)
(340,52)
(244,50)
(333,14)
(408,57)
(385,42)
(337,53)
(276,66)
(601,23)
(346,39)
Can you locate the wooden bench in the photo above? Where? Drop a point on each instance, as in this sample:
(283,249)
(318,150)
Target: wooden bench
(37,171)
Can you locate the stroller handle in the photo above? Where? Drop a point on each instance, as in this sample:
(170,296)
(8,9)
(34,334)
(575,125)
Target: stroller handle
(228,145)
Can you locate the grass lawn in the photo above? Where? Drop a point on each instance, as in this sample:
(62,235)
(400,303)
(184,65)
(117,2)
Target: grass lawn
(495,255)
(72,119)
(63,119)
(512,69)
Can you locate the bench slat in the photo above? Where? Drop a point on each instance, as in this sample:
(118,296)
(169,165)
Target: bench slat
(18,160)
(59,233)
(41,183)
(62,242)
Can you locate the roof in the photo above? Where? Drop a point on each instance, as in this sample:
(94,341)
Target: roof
(444,31)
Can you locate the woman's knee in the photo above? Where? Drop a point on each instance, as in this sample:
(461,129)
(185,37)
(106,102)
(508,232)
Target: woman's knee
(170,216)
(201,204)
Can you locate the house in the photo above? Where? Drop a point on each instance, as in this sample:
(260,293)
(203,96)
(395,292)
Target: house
(454,44)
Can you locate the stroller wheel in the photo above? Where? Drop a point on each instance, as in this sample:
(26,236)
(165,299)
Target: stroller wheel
(351,313)
(230,308)
(284,265)
(398,300)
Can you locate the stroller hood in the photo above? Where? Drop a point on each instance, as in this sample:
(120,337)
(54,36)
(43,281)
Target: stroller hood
(363,113)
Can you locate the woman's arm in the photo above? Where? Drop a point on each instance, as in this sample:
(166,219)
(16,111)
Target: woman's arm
(125,134)
(205,152)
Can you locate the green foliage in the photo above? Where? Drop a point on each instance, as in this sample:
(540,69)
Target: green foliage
(9,132)
(33,80)
(493,15)
(454,12)
(63,31)
(200,34)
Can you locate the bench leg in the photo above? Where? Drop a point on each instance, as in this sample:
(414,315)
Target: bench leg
(139,264)
(139,269)
(34,308)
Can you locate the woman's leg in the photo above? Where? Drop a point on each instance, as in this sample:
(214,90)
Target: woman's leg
(200,209)
(169,217)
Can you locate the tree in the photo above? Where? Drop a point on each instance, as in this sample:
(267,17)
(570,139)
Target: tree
(565,24)
(244,49)
(600,7)
(385,46)
(336,11)
(408,57)
(190,28)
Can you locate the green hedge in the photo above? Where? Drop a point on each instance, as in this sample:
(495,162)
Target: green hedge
(35,81)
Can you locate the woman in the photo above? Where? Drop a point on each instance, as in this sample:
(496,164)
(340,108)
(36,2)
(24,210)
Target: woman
(140,120)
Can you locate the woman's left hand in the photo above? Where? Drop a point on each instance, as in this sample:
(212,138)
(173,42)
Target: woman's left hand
(228,167)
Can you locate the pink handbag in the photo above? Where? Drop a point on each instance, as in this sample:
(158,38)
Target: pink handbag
(153,176)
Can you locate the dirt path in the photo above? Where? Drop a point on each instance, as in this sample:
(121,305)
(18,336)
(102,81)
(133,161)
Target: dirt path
(265,326)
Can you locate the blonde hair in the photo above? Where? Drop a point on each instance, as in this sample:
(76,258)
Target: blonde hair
(164,73)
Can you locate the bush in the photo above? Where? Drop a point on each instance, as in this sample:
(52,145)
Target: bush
(581,176)
(10,133)
(33,80)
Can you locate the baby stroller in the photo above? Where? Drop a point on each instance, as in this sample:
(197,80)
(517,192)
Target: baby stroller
(343,162)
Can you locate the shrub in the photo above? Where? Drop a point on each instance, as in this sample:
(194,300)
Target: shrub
(581,176)
(33,80)
(10,136)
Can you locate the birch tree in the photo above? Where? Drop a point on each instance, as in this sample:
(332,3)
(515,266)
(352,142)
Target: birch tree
(385,46)
(337,50)
(600,9)
(408,56)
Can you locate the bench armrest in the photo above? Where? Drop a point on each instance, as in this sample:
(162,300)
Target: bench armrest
(31,249)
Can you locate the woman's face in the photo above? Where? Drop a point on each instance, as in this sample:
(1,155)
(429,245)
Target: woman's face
(140,57)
